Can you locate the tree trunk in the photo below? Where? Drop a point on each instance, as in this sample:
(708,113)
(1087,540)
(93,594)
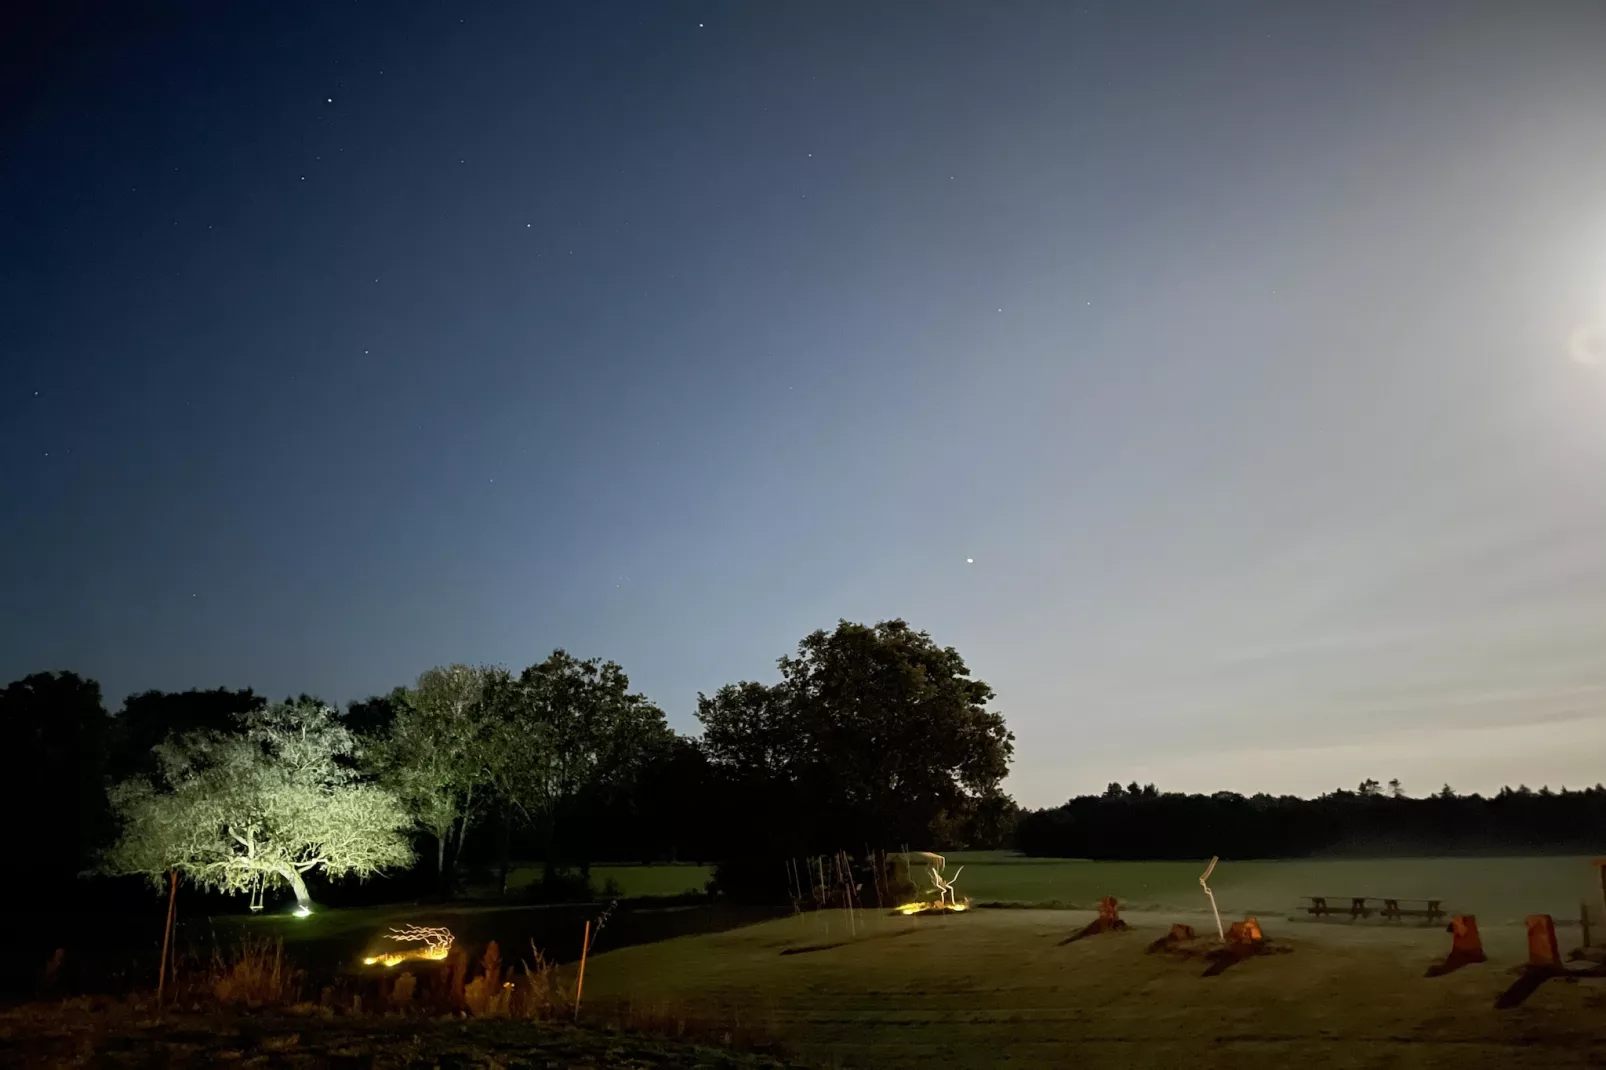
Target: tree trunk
(303,897)
(549,849)
(507,851)
(440,853)
(462,829)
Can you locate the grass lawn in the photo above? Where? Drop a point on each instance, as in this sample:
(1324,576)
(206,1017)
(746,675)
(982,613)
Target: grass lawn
(634,881)
(994,986)
(338,939)
(1497,890)
(998,986)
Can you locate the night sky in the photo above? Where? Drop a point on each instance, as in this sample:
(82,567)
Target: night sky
(1224,380)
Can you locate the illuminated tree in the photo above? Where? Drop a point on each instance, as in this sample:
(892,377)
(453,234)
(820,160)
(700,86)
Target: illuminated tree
(259,807)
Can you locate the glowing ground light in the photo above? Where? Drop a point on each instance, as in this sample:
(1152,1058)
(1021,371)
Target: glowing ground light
(303,912)
(437,943)
(920,906)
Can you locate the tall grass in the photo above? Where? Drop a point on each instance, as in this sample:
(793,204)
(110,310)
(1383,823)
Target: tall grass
(254,974)
(715,1027)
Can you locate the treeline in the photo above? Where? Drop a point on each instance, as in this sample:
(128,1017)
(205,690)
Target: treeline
(873,736)
(1143,823)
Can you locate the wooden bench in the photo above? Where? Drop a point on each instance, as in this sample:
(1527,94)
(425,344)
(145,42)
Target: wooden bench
(1359,907)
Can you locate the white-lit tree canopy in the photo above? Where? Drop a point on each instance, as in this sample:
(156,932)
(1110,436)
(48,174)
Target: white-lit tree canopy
(260,807)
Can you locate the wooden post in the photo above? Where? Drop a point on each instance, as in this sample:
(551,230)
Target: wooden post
(579,985)
(167,937)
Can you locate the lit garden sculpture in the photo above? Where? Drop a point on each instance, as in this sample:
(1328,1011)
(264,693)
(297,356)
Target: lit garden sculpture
(437,943)
(1209,870)
(947,899)
(945,888)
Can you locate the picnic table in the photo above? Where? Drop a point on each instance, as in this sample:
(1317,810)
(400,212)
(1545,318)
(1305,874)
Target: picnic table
(1360,906)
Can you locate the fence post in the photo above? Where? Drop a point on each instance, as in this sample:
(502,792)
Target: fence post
(580,984)
(167,937)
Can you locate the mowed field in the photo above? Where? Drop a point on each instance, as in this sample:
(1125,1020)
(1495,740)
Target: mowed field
(633,881)
(994,987)
(999,987)
(1497,890)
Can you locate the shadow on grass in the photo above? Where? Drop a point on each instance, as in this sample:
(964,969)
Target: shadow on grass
(1093,928)
(1534,976)
(844,943)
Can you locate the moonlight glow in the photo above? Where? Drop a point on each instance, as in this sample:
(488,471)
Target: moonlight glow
(1587,345)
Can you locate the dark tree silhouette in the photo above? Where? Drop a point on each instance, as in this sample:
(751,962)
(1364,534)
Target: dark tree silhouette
(1149,824)
(874,734)
(148,717)
(54,726)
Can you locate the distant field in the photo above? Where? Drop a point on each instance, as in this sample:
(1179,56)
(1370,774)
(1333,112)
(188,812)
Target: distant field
(634,881)
(1499,889)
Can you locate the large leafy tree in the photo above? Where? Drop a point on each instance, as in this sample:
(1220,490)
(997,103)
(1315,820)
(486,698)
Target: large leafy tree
(872,732)
(436,752)
(261,806)
(568,730)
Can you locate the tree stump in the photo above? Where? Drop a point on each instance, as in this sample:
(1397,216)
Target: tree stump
(1179,934)
(1108,921)
(1466,946)
(1543,950)
(1245,934)
(1245,940)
